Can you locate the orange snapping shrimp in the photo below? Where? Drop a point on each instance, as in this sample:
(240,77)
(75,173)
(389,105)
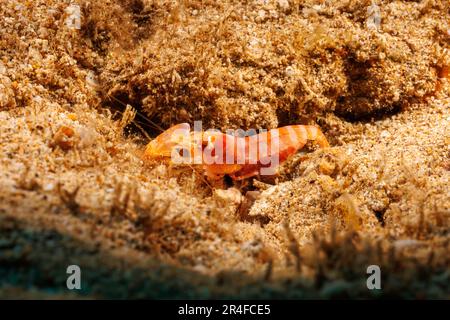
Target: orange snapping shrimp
(221,154)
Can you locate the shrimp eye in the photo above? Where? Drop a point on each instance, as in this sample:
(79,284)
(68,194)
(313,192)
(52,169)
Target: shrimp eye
(183,152)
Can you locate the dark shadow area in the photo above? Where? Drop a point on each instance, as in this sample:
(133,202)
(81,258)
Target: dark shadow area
(374,116)
(363,101)
(141,126)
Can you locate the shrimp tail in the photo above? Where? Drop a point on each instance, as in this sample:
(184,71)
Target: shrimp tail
(292,138)
(313,133)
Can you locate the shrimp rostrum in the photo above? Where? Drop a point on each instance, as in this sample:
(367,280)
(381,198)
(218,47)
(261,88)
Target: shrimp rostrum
(238,156)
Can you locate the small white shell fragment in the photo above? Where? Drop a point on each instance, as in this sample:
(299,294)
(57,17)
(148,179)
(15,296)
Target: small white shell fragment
(73,20)
(49,187)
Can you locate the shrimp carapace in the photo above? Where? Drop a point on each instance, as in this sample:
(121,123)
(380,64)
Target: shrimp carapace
(222,154)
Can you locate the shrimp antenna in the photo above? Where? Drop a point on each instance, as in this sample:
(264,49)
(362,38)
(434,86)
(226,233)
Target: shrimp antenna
(153,124)
(156,126)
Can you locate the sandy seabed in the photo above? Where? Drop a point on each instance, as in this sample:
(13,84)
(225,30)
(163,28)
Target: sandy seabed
(78,105)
